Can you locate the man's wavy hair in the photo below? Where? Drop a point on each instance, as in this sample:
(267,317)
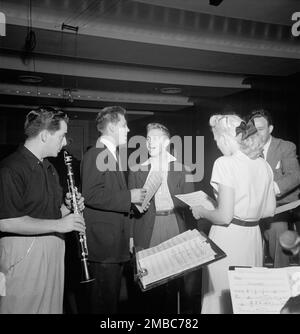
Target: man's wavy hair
(41,119)
(108,115)
(261,113)
(158,126)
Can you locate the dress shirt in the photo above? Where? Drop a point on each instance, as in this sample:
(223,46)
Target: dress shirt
(265,152)
(110,146)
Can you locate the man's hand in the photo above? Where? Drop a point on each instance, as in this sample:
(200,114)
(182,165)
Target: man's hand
(138,195)
(79,200)
(71,222)
(292,306)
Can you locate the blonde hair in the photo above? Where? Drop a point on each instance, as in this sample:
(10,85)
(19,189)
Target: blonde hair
(252,146)
(225,126)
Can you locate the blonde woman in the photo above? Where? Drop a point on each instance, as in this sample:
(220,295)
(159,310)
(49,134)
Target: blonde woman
(243,185)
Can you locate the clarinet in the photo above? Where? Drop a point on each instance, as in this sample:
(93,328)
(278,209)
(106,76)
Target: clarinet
(82,236)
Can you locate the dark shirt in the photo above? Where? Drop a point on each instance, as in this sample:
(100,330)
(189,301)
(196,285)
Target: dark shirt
(29,187)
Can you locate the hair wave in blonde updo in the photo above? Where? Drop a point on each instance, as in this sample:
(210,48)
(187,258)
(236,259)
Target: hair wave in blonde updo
(225,126)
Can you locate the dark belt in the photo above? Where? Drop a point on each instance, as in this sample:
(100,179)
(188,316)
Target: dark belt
(164,212)
(244,223)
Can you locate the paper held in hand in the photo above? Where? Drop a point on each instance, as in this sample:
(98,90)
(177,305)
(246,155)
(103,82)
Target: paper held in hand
(287,207)
(198,198)
(152,184)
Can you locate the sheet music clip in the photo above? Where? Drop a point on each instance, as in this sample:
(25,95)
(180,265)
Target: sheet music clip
(141,273)
(138,272)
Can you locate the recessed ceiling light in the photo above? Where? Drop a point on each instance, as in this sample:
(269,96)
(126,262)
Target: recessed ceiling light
(30,78)
(170,90)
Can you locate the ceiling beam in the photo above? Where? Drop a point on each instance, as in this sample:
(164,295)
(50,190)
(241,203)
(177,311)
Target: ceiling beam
(123,72)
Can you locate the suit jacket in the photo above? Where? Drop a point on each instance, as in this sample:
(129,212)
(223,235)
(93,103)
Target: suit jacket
(107,206)
(143,224)
(283,160)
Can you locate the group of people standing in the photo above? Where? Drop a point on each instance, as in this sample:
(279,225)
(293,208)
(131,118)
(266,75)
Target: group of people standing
(255,170)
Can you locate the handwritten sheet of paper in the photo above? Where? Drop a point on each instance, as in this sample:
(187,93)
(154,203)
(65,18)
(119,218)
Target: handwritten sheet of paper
(174,256)
(2,284)
(198,198)
(287,207)
(258,290)
(152,184)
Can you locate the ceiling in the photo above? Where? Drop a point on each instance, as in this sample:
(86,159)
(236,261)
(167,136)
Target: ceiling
(147,55)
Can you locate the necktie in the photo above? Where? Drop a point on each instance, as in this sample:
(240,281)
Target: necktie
(119,167)
(118,159)
(119,164)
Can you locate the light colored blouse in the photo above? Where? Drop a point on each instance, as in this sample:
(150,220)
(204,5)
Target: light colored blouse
(252,181)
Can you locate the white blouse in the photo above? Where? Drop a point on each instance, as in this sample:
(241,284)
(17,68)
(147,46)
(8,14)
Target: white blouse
(252,181)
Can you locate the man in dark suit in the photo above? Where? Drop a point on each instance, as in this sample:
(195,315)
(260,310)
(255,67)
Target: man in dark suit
(281,155)
(166,216)
(108,203)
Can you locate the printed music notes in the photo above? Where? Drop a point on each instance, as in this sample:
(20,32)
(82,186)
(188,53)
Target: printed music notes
(174,256)
(152,184)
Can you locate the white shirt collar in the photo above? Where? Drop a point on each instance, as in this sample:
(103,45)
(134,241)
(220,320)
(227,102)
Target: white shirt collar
(169,158)
(266,147)
(110,145)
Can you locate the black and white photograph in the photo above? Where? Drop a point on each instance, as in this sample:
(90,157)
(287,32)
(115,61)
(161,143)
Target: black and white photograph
(149,160)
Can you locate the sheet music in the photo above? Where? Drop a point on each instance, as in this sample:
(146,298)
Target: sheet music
(152,184)
(258,290)
(180,238)
(2,284)
(174,256)
(198,198)
(287,207)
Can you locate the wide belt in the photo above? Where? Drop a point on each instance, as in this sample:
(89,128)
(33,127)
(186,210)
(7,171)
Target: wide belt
(239,222)
(164,212)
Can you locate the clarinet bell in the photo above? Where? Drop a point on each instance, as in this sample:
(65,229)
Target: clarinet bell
(85,272)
